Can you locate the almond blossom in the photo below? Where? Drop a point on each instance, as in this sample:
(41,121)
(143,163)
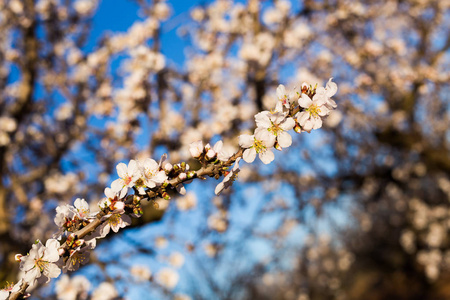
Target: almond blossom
(153,176)
(114,222)
(10,288)
(283,96)
(40,261)
(315,109)
(82,208)
(222,153)
(326,94)
(72,288)
(196,149)
(259,143)
(128,176)
(167,278)
(276,124)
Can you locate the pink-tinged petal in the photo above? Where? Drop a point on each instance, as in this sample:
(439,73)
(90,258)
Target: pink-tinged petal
(52,271)
(116,186)
(304,101)
(246,141)
(32,275)
(267,156)
(160,177)
(281,92)
(4,294)
(308,125)
(219,188)
(277,117)
(249,155)
(331,88)
(288,124)
(317,123)
(262,119)
(284,139)
(236,164)
(123,192)
(150,184)
(151,164)
(331,103)
(133,167)
(218,146)
(302,118)
(27,263)
(324,111)
(122,170)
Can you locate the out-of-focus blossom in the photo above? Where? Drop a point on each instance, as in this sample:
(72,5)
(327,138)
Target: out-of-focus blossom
(73,288)
(105,291)
(168,278)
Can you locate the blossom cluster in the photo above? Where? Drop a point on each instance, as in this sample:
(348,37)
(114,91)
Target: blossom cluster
(302,110)
(148,179)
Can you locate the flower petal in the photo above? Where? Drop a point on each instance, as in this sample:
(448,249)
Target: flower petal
(267,156)
(284,139)
(246,141)
(304,101)
(249,155)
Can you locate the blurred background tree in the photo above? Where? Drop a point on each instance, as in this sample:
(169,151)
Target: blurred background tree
(357,210)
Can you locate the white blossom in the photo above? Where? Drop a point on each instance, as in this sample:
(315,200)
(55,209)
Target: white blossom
(141,273)
(168,278)
(114,222)
(260,144)
(5,292)
(128,176)
(105,291)
(73,288)
(176,259)
(315,109)
(222,153)
(276,124)
(82,208)
(152,175)
(196,149)
(41,261)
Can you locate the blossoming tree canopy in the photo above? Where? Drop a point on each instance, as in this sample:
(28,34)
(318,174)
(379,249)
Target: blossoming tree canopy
(148,179)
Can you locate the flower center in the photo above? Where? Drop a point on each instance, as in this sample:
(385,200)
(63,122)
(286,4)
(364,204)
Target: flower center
(313,111)
(114,219)
(127,180)
(275,129)
(40,263)
(259,146)
(77,257)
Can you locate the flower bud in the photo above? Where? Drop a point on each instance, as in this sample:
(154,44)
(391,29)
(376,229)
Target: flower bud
(196,149)
(168,167)
(210,154)
(297,128)
(182,176)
